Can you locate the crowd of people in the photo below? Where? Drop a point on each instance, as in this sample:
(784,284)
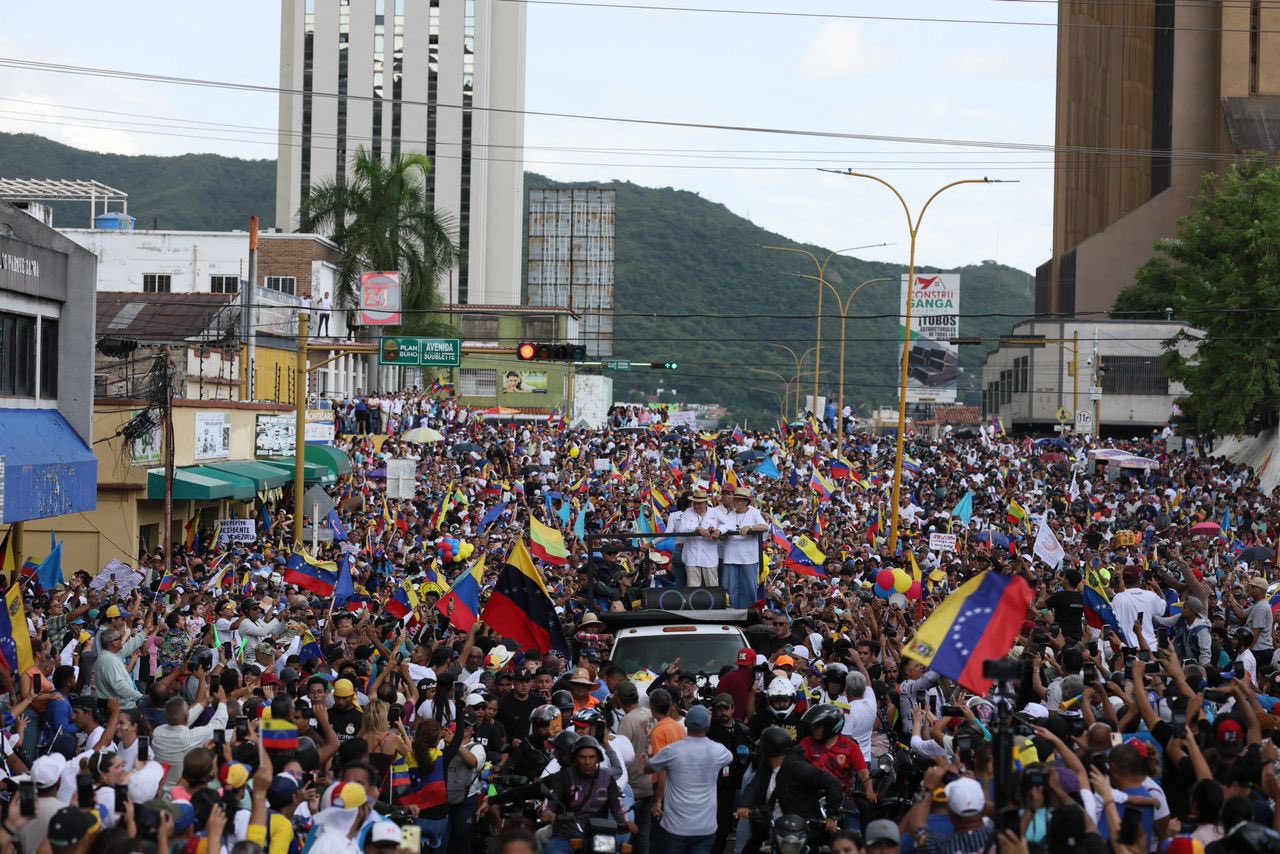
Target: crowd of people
(223,705)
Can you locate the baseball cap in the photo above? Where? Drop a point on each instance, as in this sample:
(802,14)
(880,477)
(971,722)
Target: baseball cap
(344,688)
(1259,582)
(628,693)
(784,660)
(724,701)
(698,717)
(70,825)
(1036,711)
(1228,736)
(965,797)
(234,775)
(746,657)
(882,830)
(115,613)
(269,678)
(385,833)
(349,796)
(46,771)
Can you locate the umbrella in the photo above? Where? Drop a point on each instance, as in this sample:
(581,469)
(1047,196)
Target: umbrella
(422,436)
(380,473)
(749,456)
(1053,457)
(1051,440)
(995,538)
(1257,554)
(500,410)
(1206,528)
(468,447)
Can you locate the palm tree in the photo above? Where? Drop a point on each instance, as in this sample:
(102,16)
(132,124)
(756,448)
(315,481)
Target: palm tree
(379,216)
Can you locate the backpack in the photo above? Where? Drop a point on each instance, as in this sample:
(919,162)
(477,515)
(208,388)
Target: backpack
(458,778)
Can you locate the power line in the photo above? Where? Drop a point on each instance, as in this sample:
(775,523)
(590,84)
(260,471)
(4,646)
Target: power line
(769,13)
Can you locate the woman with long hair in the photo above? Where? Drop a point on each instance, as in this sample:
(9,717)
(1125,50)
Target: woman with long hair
(385,742)
(132,726)
(108,772)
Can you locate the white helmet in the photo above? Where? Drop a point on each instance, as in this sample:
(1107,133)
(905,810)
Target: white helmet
(781,687)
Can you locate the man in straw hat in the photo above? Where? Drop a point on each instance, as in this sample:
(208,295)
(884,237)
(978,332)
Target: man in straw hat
(701,553)
(742,525)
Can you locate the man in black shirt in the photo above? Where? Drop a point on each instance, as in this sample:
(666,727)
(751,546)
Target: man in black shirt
(1068,606)
(345,717)
(514,709)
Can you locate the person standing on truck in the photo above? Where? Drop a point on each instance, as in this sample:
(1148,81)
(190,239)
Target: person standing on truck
(701,553)
(742,523)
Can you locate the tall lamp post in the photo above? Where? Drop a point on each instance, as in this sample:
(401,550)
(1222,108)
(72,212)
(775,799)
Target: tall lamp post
(799,360)
(913,229)
(822,272)
(786,385)
(844,317)
(781,406)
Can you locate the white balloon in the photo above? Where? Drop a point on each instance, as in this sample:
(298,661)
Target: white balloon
(898,600)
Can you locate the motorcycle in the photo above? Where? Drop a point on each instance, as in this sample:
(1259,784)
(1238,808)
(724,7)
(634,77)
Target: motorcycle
(896,777)
(600,836)
(791,834)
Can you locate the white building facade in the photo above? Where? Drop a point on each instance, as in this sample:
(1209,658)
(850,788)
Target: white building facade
(440,77)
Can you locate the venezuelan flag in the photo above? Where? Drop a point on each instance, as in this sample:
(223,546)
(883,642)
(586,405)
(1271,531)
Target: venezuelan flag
(310,574)
(7,556)
(1097,606)
(425,788)
(975,624)
(821,486)
(841,469)
(15,638)
(520,606)
(738,436)
(547,544)
(677,471)
(873,526)
(279,735)
(730,479)
(310,647)
(462,603)
(166,583)
(192,538)
(796,557)
(403,602)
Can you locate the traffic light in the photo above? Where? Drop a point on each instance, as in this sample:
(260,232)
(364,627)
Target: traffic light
(540,351)
(663,366)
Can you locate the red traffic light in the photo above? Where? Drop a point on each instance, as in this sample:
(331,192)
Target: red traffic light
(527,351)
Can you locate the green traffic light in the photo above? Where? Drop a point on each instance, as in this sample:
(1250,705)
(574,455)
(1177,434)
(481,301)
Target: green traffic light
(671,366)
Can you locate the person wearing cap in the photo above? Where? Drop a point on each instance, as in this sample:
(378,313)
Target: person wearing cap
(692,765)
(1258,618)
(966,801)
(727,730)
(383,837)
(71,830)
(46,774)
(882,837)
(1136,602)
(257,629)
(514,708)
(701,553)
(345,716)
(741,525)
(739,684)
(582,686)
(1190,632)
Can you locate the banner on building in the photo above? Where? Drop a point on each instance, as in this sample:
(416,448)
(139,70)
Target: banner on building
(274,434)
(213,436)
(237,531)
(145,449)
(524,382)
(933,363)
(380,299)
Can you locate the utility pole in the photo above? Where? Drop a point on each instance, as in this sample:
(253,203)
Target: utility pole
(300,426)
(1096,381)
(167,436)
(250,331)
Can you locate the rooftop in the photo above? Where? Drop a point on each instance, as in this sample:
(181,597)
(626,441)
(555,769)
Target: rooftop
(157,318)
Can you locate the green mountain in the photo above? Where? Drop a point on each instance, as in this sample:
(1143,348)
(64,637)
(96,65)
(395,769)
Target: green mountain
(681,261)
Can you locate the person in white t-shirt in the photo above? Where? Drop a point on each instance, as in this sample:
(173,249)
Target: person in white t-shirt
(325,305)
(1136,601)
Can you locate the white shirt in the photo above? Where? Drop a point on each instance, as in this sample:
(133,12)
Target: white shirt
(1128,604)
(860,721)
(700,551)
(693,768)
(745,548)
(1250,665)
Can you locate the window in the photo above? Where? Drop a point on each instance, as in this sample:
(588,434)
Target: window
(1021,368)
(156,283)
(1133,375)
(283,284)
(539,328)
(478,382)
(1006,386)
(479,327)
(224,284)
(17,355)
(48,358)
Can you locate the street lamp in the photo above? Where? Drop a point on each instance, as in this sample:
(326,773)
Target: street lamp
(781,405)
(799,360)
(786,386)
(822,272)
(913,229)
(844,317)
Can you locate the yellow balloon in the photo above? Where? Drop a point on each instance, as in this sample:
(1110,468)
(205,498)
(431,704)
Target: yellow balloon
(574,452)
(464,551)
(901,581)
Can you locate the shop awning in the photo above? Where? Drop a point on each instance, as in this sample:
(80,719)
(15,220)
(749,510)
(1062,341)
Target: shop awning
(246,489)
(311,472)
(263,476)
(48,470)
(194,485)
(333,459)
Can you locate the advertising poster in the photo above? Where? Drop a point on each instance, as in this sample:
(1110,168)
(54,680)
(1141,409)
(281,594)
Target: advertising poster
(213,436)
(524,382)
(379,299)
(274,434)
(146,448)
(933,363)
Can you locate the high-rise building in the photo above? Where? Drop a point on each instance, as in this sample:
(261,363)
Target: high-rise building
(1150,96)
(441,77)
(571,243)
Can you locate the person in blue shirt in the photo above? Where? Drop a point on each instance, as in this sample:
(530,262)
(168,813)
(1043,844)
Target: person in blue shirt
(1128,769)
(57,712)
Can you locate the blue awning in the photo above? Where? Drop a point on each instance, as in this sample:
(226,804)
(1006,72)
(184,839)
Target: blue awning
(48,469)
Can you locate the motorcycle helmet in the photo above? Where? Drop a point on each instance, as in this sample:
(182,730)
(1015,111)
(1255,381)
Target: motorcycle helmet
(562,700)
(790,835)
(774,741)
(544,715)
(827,716)
(781,695)
(586,742)
(588,717)
(564,742)
(201,657)
(1252,838)
(982,709)
(835,674)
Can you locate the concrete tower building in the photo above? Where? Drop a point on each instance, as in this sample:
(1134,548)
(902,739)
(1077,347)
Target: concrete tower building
(441,77)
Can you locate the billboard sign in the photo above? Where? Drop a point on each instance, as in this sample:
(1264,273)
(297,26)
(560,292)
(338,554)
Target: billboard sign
(933,363)
(213,436)
(420,352)
(274,435)
(380,299)
(524,382)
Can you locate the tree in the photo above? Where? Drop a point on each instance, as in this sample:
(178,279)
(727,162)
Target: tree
(1222,275)
(379,216)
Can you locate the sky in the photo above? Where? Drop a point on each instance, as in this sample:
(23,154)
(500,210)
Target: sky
(819,69)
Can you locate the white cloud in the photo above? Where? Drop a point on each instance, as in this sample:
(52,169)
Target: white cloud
(837,51)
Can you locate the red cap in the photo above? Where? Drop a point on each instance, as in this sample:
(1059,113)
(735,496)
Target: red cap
(746,657)
(1229,736)
(269,678)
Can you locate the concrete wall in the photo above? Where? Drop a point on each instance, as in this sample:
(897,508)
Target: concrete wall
(189,257)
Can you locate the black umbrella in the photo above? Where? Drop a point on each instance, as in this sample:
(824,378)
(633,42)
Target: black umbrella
(1257,554)
(749,456)
(468,447)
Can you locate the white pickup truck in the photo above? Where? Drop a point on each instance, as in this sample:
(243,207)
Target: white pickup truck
(702,648)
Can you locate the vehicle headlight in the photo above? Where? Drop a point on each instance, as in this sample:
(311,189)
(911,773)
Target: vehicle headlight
(792,844)
(604,844)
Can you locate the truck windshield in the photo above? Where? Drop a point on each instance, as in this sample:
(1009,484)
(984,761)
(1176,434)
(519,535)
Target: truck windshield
(699,653)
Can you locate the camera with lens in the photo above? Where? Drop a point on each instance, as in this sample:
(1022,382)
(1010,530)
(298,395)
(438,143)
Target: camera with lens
(1035,777)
